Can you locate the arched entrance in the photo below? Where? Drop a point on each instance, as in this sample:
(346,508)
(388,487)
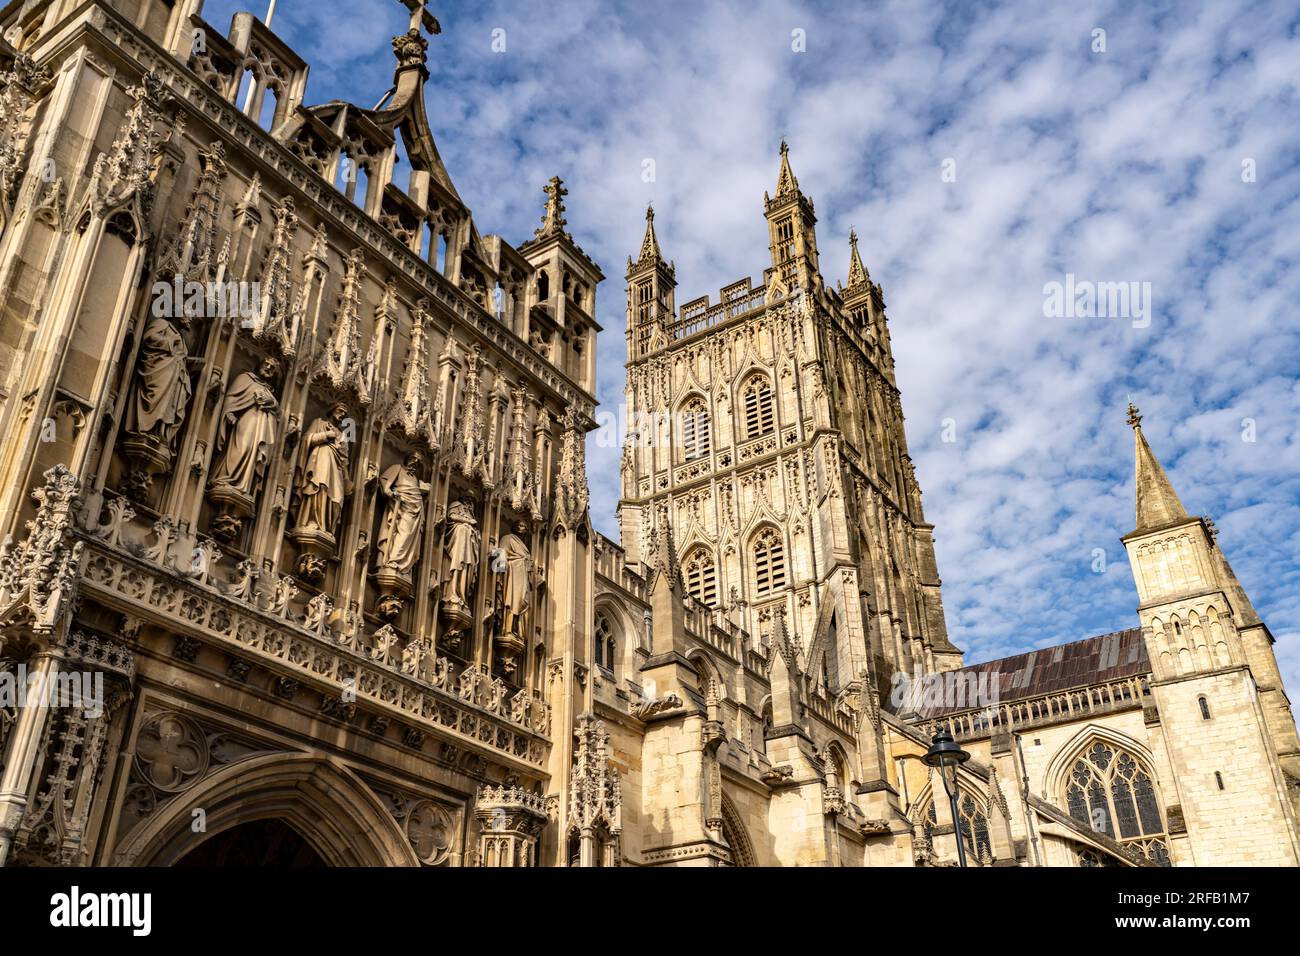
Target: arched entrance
(319,800)
(263,843)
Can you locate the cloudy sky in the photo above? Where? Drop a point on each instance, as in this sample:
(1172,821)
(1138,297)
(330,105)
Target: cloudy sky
(981,151)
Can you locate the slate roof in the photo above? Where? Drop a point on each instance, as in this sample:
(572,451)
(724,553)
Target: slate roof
(1092,660)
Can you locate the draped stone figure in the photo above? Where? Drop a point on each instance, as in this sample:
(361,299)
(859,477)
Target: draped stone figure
(516,565)
(462,554)
(248,426)
(159,400)
(325,482)
(399,532)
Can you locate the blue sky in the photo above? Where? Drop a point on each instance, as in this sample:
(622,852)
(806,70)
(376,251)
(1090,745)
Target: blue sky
(1121,165)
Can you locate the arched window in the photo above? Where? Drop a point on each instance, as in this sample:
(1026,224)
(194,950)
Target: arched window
(1112,791)
(757,399)
(973,824)
(696,438)
(769,563)
(701,576)
(604,649)
(1205,708)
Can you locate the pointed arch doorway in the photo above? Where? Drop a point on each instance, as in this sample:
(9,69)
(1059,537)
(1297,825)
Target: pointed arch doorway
(261,843)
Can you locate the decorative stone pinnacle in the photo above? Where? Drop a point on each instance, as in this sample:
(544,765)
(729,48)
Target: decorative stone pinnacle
(553,221)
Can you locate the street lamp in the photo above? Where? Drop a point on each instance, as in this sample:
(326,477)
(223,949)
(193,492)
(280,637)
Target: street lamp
(945,754)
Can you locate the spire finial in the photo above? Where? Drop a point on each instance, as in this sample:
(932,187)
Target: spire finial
(1134,419)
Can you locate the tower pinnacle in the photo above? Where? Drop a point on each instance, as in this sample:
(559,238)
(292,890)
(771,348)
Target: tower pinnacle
(553,221)
(858,275)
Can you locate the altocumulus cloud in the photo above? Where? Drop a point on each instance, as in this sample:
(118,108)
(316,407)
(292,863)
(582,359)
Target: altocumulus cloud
(1122,165)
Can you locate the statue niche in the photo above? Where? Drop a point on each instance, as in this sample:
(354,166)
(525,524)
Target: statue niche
(515,577)
(462,551)
(249,419)
(323,485)
(403,489)
(158,402)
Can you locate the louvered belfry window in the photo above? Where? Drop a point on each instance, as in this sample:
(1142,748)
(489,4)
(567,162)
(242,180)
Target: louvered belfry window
(696,438)
(701,577)
(769,563)
(759,417)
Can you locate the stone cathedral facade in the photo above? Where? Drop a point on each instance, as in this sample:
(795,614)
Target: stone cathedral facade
(298,566)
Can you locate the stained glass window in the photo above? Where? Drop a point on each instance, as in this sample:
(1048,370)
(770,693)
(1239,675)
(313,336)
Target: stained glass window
(1113,792)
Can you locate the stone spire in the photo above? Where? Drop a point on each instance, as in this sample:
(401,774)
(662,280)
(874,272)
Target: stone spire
(1157,503)
(786,184)
(858,275)
(650,244)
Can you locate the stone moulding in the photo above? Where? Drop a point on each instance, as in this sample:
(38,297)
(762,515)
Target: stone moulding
(130,585)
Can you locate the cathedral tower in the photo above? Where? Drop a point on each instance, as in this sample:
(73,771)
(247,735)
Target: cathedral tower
(766,430)
(1223,720)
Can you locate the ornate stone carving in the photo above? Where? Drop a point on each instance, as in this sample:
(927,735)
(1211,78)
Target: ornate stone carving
(159,400)
(403,489)
(414,413)
(249,422)
(123,177)
(647,709)
(595,793)
(510,822)
(571,493)
(515,574)
(171,752)
(323,485)
(462,548)
(38,577)
(279,313)
(18,88)
(344,365)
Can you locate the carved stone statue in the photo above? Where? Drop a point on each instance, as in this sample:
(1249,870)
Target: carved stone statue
(159,401)
(399,534)
(249,419)
(399,531)
(325,481)
(322,488)
(514,564)
(462,554)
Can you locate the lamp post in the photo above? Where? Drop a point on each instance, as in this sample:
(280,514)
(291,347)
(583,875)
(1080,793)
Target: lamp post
(947,755)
